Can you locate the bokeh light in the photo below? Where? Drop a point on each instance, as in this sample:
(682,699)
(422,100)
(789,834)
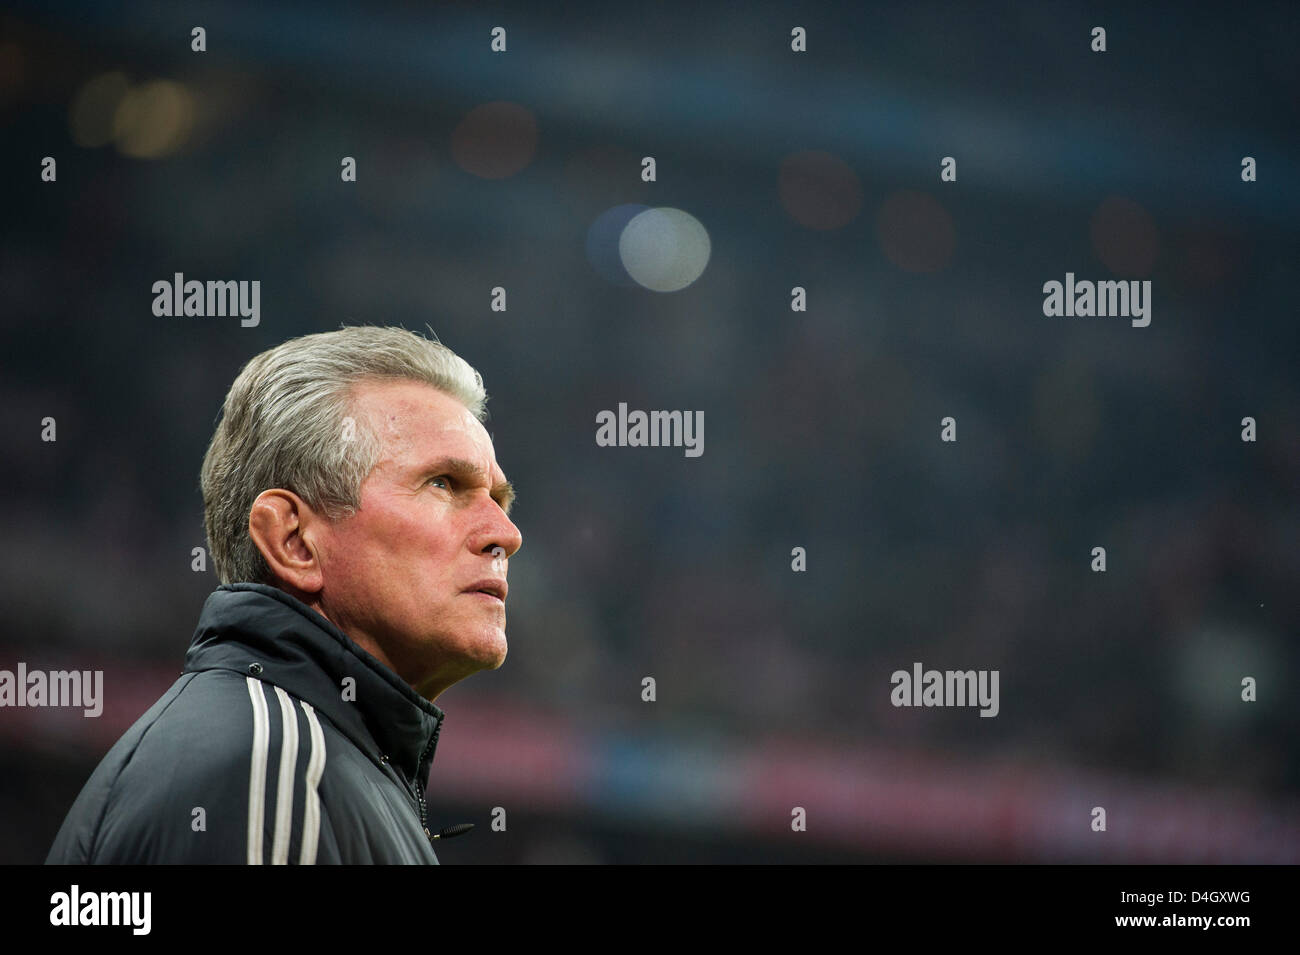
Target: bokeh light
(603,242)
(13,66)
(91,117)
(153,119)
(495,140)
(819,190)
(916,232)
(664,250)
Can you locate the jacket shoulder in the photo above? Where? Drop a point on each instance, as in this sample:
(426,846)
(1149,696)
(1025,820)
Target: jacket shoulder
(222,769)
(75,839)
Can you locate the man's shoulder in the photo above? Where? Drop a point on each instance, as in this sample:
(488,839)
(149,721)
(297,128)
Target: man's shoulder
(204,720)
(215,758)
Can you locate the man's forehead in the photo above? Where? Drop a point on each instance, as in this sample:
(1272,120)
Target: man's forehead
(417,422)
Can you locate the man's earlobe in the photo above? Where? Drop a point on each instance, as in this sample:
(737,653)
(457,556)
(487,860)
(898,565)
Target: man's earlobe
(276,523)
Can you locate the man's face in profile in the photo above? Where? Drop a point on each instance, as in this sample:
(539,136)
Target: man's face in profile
(403,577)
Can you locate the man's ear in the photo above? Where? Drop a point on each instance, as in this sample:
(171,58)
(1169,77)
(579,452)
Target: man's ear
(282,526)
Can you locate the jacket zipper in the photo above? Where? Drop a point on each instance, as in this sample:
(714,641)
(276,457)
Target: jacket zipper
(419,786)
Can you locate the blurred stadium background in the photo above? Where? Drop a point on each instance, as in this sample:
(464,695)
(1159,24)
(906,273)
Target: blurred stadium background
(821,428)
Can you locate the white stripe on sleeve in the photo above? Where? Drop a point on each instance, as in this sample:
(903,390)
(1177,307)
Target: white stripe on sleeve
(257,771)
(315,769)
(284,793)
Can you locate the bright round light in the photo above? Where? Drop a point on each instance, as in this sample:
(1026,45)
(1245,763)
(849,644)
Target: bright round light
(664,250)
(154,119)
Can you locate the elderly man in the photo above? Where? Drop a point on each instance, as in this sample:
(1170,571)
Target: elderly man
(358,521)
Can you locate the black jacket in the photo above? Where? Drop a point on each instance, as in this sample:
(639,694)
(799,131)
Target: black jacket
(282,742)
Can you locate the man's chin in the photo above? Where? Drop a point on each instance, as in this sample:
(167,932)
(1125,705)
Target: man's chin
(500,656)
(489,652)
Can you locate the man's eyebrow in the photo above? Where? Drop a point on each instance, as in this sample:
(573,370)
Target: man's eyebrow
(467,472)
(504,494)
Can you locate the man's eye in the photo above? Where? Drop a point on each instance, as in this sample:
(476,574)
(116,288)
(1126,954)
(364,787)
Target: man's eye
(445,479)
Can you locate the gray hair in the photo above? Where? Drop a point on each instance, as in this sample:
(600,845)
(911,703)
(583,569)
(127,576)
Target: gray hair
(286,424)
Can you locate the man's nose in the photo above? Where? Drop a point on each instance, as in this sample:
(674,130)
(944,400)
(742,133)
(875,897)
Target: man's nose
(500,532)
(509,538)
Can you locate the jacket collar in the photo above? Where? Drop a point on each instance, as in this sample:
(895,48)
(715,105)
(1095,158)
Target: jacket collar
(246,623)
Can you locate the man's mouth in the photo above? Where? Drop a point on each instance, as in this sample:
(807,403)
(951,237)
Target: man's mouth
(493,587)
